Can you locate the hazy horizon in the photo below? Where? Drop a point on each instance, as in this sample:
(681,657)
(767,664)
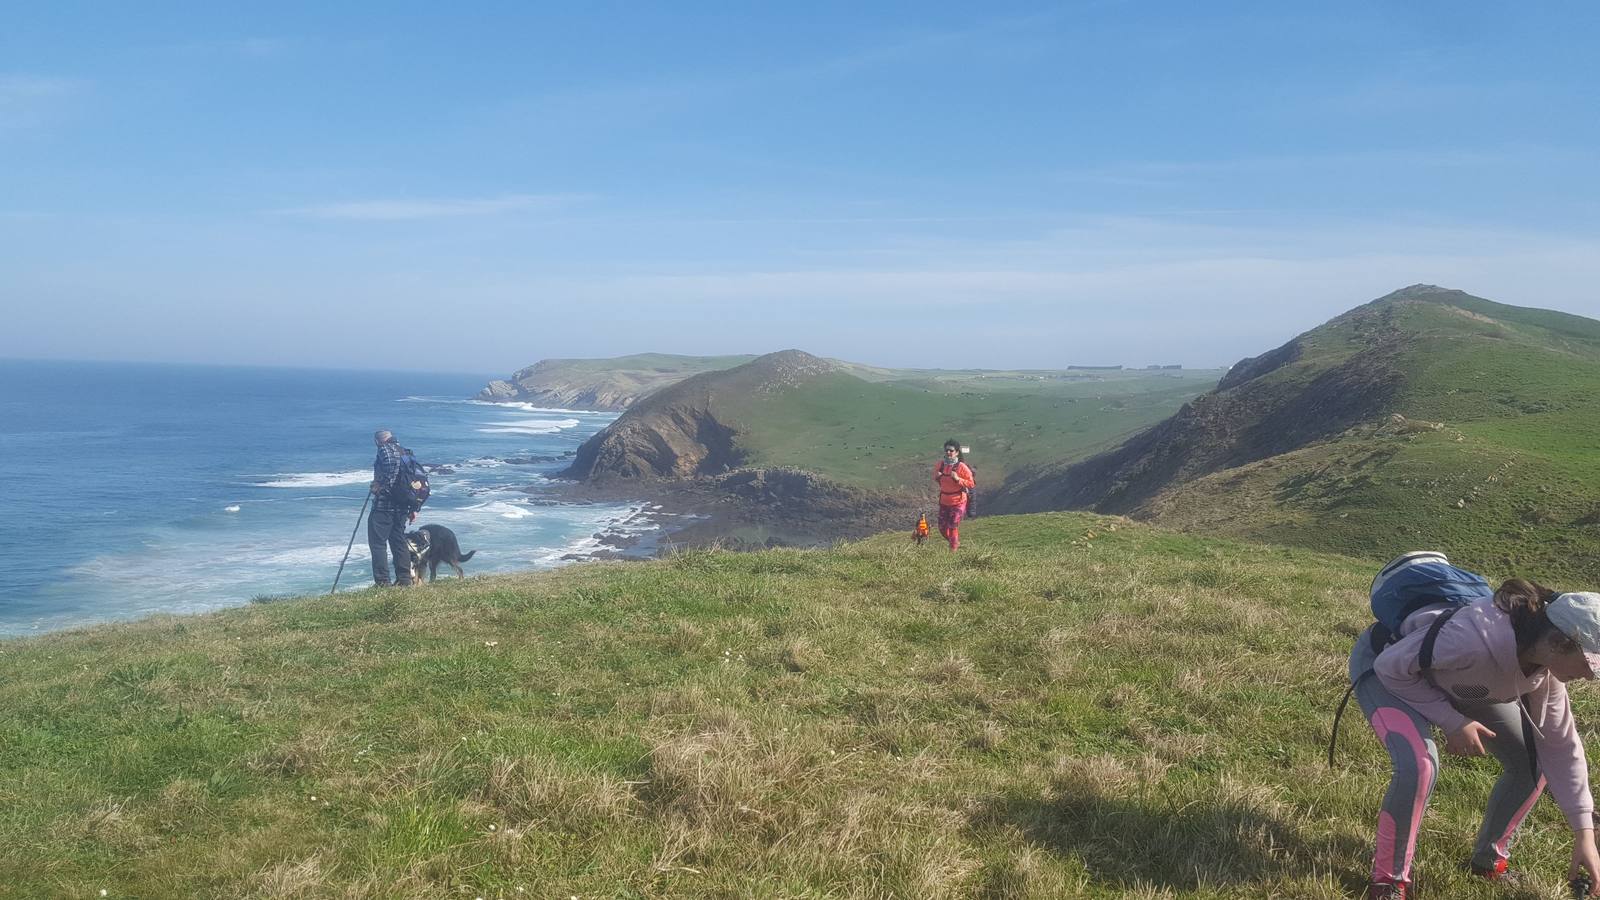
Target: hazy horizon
(487,376)
(907,184)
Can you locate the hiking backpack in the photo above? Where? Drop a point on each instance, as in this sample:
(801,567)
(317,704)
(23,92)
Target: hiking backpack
(411,485)
(1417,579)
(1408,583)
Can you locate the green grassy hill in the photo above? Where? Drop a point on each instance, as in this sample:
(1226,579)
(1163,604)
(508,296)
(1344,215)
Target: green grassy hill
(791,409)
(887,435)
(1429,418)
(1074,706)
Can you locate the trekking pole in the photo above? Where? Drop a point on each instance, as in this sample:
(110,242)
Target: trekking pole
(335,588)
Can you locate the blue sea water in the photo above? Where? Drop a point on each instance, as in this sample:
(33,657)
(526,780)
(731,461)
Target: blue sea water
(130,489)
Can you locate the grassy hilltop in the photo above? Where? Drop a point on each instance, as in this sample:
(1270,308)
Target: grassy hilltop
(1427,418)
(1074,706)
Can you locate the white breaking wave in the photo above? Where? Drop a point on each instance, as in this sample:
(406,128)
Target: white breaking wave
(529,407)
(521,405)
(316,479)
(530,426)
(233,508)
(504,509)
(325,555)
(629,520)
(483,462)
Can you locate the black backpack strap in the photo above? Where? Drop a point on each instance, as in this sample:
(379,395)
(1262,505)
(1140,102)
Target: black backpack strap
(1333,738)
(1379,636)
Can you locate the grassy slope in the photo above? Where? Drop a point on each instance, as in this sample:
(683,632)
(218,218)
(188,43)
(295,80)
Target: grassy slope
(1072,707)
(1520,402)
(887,435)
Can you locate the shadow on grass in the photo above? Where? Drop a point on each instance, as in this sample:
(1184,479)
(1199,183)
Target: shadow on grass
(1180,843)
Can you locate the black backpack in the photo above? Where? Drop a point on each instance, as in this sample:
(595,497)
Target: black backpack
(411,485)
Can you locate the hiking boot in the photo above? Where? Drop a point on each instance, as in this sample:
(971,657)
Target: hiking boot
(1500,872)
(1387,890)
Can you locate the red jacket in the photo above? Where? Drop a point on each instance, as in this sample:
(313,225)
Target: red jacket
(953,482)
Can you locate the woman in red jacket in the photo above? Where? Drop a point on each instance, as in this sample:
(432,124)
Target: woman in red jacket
(954,479)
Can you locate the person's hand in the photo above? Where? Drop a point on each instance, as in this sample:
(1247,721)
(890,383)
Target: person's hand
(376,487)
(1585,860)
(1468,739)
(413,517)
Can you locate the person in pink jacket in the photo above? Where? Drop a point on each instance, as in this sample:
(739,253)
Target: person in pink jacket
(1492,677)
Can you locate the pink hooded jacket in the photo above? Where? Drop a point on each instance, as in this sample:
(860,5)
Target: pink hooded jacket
(1475,663)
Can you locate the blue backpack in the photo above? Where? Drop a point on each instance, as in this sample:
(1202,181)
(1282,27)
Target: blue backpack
(1408,583)
(1422,578)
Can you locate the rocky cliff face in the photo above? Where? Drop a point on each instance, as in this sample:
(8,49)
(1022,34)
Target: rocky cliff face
(677,442)
(1266,405)
(683,430)
(613,384)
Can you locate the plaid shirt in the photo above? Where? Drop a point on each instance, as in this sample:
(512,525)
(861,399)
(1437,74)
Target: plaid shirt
(386,468)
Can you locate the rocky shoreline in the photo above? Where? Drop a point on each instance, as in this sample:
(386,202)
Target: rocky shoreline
(748,509)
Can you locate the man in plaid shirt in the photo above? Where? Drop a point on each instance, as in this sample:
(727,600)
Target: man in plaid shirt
(386,524)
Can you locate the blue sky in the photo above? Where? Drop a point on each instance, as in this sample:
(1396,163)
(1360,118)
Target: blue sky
(402,185)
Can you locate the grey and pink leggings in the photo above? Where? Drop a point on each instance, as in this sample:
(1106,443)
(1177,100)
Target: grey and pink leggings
(1407,736)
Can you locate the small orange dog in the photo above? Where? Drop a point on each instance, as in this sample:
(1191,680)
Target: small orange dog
(921,533)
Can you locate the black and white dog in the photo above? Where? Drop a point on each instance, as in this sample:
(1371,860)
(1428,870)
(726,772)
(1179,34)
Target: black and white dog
(432,545)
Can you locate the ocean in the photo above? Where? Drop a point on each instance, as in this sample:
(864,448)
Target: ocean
(132,489)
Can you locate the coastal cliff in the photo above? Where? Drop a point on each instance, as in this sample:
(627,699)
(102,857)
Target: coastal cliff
(690,428)
(604,384)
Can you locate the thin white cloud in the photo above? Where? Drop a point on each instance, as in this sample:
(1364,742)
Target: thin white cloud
(256,47)
(265,47)
(411,210)
(663,93)
(32,101)
(1107,290)
(1165,172)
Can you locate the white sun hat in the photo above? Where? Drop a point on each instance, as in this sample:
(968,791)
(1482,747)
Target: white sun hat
(1578,616)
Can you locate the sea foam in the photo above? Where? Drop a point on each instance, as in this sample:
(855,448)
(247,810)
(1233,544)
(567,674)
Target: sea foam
(529,407)
(529,426)
(316,479)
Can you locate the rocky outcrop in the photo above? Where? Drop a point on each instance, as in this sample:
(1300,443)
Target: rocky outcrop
(801,494)
(1254,367)
(603,384)
(677,442)
(498,391)
(683,430)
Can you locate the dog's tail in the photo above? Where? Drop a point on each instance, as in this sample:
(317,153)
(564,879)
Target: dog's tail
(466,557)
